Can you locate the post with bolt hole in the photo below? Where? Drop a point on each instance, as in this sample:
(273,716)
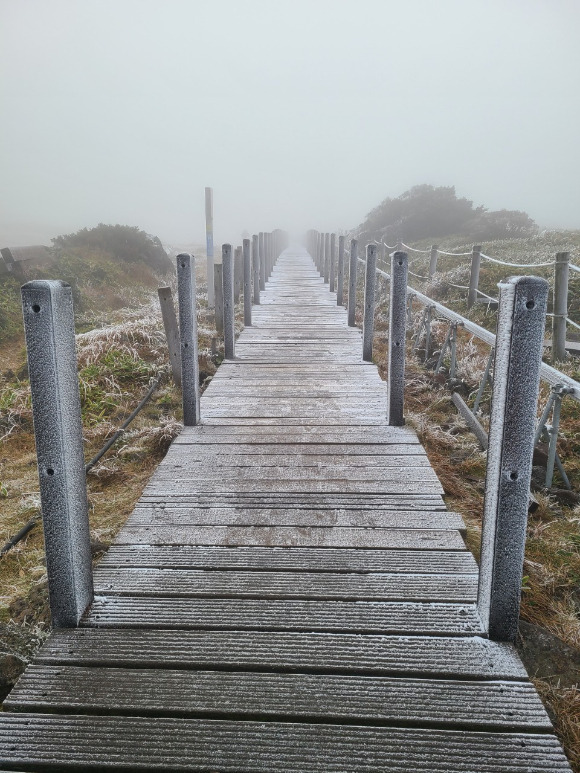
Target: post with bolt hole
(228,301)
(247,259)
(256,268)
(56,407)
(340,271)
(369,303)
(352,267)
(331,271)
(397,332)
(188,339)
(474,275)
(518,355)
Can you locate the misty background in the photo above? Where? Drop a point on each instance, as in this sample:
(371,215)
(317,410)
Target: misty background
(302,114)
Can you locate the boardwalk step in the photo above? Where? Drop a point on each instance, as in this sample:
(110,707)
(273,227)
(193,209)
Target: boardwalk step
(61,742)
(288,697)
(294,559)
(287,615)
(428,656)
(403,539)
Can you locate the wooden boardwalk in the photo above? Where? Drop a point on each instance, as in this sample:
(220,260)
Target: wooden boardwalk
(290,594)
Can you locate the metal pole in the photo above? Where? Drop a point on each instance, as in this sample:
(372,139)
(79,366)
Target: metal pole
(219,296)
(397,335)
(228,301)
(209,246)
(256,267)
(369,303)
(247,283)
(474,277)
(262,261)
(56,407)
(433,260)
(352,267)
(331,268)
(561,271)
(188,339)
(340,274)
(519,343)
(171,332)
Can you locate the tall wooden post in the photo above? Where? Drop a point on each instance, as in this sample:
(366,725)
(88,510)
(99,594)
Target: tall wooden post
(188,339)
(516,379)
(340,273)
(171,332)
(369,303)
(331,271)
(474,276)
(256,267)
(228,301)
(433,260)
(561,272)
(56,408)
(397,334)
(209,246)
(247,261)
(352,269)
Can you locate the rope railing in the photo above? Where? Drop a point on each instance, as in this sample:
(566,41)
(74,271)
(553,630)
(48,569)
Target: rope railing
(517,265)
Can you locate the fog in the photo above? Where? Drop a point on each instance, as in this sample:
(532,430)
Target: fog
(302,114)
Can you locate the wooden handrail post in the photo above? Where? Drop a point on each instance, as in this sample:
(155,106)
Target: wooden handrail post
(322,256)
(561,272)
(228,301)
(238,274)
(209,246)
(369,302)
(247,258)
(171,332)
(256,268)
(331,269)
(397,336)
(262,253)
(352,269)
(433,260)
(56,407)
(340,272)
(218,282)
(474,276)
(518,356)
(188,338)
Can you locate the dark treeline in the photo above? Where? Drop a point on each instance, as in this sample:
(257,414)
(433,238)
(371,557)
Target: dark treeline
(428,212)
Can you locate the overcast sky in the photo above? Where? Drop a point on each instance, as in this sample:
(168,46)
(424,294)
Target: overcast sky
(299,113)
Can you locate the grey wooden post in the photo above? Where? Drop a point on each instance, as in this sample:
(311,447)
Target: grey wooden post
(327,258)
(433,260)
(340,273)
(188,338)
(474,276)
(256,268)
(352,269)
(397,333)
(320,262)
(228,300)
(247,282)
(262,261)
(518,355)
(369,303)
(209,245)
(56,408)
(268,247)
(238,274)
(219,296)
(171,331)
(331,271)
(561,271)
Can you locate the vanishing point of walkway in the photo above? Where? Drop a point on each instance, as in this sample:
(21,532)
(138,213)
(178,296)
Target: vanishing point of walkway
(290,594)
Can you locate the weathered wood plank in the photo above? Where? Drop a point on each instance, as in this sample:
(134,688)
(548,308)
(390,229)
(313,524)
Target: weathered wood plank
(193,583)
(429,656)
(286,697)
(288,615)
(289,559)
(142,743)
(233,536)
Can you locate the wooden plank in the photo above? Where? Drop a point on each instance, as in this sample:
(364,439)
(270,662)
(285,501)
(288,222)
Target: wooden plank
(282,697)
(35,741)
(469,657)
(316,486)
(193,583)
(260,516)
(288,615)
(289,559)
(234,536)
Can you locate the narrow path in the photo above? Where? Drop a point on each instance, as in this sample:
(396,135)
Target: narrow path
(290,593)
